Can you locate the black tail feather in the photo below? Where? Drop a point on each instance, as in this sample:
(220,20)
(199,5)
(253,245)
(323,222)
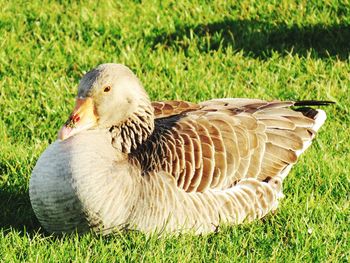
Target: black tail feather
(308,112)
(313,103)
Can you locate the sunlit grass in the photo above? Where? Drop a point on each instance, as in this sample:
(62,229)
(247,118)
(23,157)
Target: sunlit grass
(192,51)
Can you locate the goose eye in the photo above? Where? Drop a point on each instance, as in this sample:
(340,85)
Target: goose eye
(107,89)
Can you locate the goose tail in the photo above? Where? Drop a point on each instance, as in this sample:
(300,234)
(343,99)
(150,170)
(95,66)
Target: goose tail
(319,116)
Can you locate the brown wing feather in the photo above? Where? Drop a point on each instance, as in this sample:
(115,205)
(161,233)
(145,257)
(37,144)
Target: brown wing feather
(170,108)
(217,143)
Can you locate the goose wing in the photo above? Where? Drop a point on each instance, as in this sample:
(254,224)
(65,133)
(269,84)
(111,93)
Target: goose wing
(163,109)
(216,143)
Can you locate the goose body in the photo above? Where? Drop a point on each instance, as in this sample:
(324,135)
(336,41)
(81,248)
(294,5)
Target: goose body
(124,162)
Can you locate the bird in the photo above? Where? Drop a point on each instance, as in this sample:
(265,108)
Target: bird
(122,162)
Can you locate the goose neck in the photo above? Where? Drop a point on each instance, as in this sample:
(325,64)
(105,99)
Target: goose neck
(135,130)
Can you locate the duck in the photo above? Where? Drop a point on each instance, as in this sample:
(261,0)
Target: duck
(122,162)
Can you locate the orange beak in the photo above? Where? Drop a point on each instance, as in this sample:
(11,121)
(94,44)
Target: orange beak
(82,118)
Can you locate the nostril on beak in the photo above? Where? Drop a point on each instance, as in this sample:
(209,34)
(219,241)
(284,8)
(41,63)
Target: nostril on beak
(76,118)
(73,119)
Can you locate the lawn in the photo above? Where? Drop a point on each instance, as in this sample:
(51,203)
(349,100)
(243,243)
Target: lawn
(290,50)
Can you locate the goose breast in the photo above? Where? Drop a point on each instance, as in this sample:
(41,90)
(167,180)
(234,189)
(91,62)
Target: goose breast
(76,183)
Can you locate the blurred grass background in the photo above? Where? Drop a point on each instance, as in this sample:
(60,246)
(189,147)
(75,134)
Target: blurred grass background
(190,50)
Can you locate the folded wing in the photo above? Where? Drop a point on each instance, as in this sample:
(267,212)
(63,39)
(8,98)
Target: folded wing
(217,143)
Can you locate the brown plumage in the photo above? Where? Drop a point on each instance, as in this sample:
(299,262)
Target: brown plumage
(124,162)
(214,144)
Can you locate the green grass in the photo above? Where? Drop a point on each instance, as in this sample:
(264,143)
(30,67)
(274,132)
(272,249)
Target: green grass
(192,51)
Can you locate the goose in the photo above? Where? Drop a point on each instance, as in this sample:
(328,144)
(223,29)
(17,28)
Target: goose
(124,162)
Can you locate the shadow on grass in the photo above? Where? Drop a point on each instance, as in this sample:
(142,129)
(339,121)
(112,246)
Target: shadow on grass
(16,213)
(260,39)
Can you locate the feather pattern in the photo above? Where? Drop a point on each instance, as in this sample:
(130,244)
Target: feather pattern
(168,166)
(215,144)
(194,167)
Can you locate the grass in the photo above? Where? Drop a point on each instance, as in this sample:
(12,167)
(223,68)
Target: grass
(192,51)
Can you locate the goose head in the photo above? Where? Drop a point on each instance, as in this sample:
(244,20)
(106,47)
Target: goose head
(107,95)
